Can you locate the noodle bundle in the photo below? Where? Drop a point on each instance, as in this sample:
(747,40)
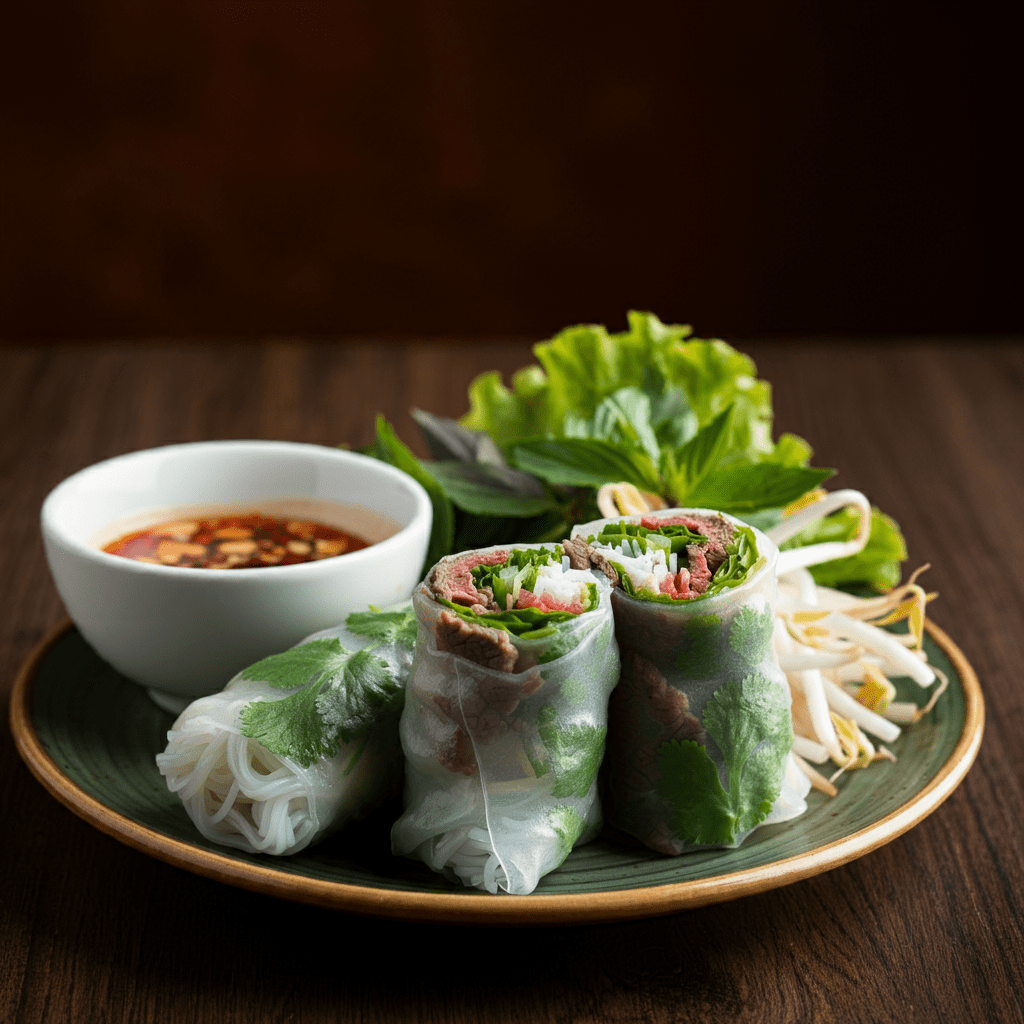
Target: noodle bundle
(505,717)
(329,707)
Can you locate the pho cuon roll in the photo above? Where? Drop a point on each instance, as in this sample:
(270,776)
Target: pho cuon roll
(506,716)
(299,744)
(699,726)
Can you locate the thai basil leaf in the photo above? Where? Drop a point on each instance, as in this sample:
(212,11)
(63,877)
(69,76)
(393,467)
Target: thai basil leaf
(699,457)
(742,489)
(388,448)
(449,440)
(586,462)
(487,490)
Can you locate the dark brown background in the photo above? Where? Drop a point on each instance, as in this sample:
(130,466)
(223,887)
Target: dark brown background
(455,168)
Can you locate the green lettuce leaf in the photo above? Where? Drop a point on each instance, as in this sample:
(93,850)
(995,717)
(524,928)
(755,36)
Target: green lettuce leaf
(877,565)
(687,381)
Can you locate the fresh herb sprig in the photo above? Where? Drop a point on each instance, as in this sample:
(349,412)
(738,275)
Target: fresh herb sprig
(683,418)
(749,721)
(338,694)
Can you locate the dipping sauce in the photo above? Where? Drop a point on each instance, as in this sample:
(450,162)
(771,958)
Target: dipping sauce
(244,541)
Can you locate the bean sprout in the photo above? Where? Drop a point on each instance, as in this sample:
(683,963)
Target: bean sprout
(839,638)
(836,654)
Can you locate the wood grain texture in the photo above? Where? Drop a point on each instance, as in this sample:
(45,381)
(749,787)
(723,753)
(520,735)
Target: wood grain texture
(928,928)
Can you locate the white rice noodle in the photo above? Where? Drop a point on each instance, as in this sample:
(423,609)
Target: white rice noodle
(645,569)
(241,795)
(564,585)
(468,853)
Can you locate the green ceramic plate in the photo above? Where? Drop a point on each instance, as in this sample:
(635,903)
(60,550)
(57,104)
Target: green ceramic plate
(90,736)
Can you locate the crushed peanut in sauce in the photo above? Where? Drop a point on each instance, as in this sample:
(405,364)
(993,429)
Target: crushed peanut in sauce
(245,541)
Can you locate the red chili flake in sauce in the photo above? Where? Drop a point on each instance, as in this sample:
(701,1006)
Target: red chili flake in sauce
(247,541)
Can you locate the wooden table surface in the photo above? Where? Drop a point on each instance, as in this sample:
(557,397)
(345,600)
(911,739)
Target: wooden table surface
(927,928)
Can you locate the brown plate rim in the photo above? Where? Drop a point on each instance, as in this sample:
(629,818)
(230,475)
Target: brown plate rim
(477,908)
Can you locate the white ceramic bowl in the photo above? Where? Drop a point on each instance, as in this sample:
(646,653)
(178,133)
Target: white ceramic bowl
(184,632)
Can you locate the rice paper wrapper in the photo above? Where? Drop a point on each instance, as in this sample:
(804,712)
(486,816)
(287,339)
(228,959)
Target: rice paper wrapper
(240,794)
(501,767)
(700,729)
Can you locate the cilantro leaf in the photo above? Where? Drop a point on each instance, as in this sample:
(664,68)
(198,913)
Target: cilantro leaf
(290,727)
(701,810)
(568,825)
(574,753)
(339,694)
(573,691)
(298,665)
(700,657)
(395,627)
(750,723)
(365,691)
(750,634)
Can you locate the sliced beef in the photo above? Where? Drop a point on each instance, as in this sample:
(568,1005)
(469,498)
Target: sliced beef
(483,645)
(458,754)
(486,602)
(718,530)
(700,571)
(452,578)
(583,556)
(578,552)
(677,586)
(485,712)
(601,563)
